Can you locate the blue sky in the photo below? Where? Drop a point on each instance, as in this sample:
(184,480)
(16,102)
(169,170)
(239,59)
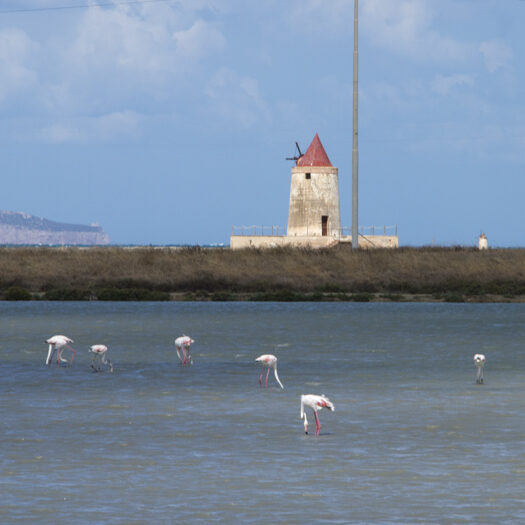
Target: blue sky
(169,121)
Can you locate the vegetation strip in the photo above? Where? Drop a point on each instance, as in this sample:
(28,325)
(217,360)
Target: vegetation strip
(281,274)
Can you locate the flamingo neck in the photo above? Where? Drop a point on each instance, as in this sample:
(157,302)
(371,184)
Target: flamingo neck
(304,418)
(276,376)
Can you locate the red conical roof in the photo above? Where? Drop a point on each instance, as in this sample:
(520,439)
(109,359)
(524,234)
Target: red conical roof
(315,155)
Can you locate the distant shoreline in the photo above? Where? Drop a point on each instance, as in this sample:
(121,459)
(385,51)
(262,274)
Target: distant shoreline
(116,296)
(110,273)
(357,298)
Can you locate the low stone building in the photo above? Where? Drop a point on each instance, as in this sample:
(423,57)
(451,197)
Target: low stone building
(314,210)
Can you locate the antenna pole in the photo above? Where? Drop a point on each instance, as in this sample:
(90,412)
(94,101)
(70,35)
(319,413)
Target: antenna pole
(355,153)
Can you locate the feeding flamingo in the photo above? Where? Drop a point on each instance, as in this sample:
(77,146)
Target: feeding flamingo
(100,358)
(58,343)
(183,344)
(268,361)
(316,403)
(479,361)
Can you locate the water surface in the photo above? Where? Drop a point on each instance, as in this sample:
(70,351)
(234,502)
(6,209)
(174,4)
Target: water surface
(413,438)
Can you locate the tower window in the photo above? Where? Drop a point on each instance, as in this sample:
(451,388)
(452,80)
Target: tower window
(307,176)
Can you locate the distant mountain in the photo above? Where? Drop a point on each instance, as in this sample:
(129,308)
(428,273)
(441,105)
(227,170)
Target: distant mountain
(22,228)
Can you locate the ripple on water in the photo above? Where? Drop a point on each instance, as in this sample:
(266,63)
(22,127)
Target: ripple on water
(412,439)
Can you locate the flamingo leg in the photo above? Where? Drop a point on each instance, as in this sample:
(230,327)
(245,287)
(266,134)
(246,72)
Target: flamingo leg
(317,424)
(260,377)
(61,360)
(267,373)
(189,360)
(73,356)
(479,375)
(184,353)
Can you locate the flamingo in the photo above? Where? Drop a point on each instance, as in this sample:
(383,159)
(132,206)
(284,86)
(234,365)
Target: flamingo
(316,403)
(58,343)
(268,361)
(479,361)
(100,356)
(183,344)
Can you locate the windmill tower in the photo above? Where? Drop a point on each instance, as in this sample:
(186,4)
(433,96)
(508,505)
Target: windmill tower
(314,195)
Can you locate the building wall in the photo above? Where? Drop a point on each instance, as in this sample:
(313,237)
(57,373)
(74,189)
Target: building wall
(239,242)
(312,198)
(373,241)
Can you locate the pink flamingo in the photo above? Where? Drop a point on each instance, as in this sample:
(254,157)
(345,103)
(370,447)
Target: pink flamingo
(316,403)
(268,361)
(183,344)
(100,356)
(479,361)
(58,343)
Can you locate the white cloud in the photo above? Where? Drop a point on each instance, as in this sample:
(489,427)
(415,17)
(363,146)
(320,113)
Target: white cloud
(198,41)
(129,43)
(118,57)
(318,15)
(16,50)
(382,94)
(443,84)
(405,27)
(106,61)
(92,129)
(236,98)
(120,41)
(496,54)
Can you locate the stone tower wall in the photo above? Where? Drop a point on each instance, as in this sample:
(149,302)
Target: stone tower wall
(311,199)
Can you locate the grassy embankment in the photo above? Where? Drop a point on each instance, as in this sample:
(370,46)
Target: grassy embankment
(282,274)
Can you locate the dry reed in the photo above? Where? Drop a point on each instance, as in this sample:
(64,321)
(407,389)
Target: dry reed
(406,270)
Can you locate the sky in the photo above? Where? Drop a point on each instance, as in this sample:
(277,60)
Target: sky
(169,122)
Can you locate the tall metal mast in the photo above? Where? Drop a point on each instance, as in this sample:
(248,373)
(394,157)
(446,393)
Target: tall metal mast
(355,154)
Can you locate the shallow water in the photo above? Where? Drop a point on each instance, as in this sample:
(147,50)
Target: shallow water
(413,438)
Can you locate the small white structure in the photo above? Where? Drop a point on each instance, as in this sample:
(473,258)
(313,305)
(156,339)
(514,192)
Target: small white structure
(483,243)
(314,218)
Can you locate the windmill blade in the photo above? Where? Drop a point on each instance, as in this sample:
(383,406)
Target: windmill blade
(297,157)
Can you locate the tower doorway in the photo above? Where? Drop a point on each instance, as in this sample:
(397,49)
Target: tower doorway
(324,225)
